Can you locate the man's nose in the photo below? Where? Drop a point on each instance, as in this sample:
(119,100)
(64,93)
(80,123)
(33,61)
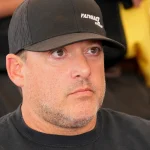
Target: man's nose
(81,67)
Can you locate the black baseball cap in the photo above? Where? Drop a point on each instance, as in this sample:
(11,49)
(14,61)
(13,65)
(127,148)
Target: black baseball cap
(42,25)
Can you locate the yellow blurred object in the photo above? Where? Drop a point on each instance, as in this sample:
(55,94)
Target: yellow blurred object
(136,23)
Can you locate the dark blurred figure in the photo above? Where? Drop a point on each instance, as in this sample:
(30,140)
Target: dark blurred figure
(127,92)
(3,110)
(126,88)
(4,23)
(7,8)
(8,91)
(113,23)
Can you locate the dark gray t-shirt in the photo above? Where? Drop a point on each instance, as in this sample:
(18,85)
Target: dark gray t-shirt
(114,130)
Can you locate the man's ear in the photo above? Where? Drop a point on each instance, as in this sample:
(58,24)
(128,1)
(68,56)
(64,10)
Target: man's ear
(14,66)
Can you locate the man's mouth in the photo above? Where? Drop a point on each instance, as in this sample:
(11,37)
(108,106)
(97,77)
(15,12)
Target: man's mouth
(82,91)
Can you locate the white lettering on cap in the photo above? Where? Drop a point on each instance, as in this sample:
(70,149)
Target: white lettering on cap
(95,18)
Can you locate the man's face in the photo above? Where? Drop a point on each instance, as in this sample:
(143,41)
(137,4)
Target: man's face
(65,86)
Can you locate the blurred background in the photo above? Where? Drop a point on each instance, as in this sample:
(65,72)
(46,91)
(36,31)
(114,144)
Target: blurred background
(127,78)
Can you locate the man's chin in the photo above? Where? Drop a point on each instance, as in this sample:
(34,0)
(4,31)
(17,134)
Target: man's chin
(78,122)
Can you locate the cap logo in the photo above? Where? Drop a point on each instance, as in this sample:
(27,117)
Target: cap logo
(96,19)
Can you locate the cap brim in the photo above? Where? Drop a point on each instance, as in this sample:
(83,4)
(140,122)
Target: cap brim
(116,51)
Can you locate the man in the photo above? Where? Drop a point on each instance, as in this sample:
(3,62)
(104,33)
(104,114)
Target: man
(57,60)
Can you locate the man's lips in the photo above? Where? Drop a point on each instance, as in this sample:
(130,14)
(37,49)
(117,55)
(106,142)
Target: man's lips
(81,90)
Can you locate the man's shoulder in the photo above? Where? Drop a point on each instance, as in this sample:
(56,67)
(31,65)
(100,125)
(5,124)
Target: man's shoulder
(4,118)
(5,122)
(125,130)
(123,117)
(126,122)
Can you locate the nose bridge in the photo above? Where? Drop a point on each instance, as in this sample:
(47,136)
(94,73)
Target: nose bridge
(81,66)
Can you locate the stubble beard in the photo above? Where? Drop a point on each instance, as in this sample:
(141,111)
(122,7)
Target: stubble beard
(57,118)
(63,121)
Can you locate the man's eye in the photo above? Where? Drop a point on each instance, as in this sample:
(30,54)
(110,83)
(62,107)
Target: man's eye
(58,53)
(94,50)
